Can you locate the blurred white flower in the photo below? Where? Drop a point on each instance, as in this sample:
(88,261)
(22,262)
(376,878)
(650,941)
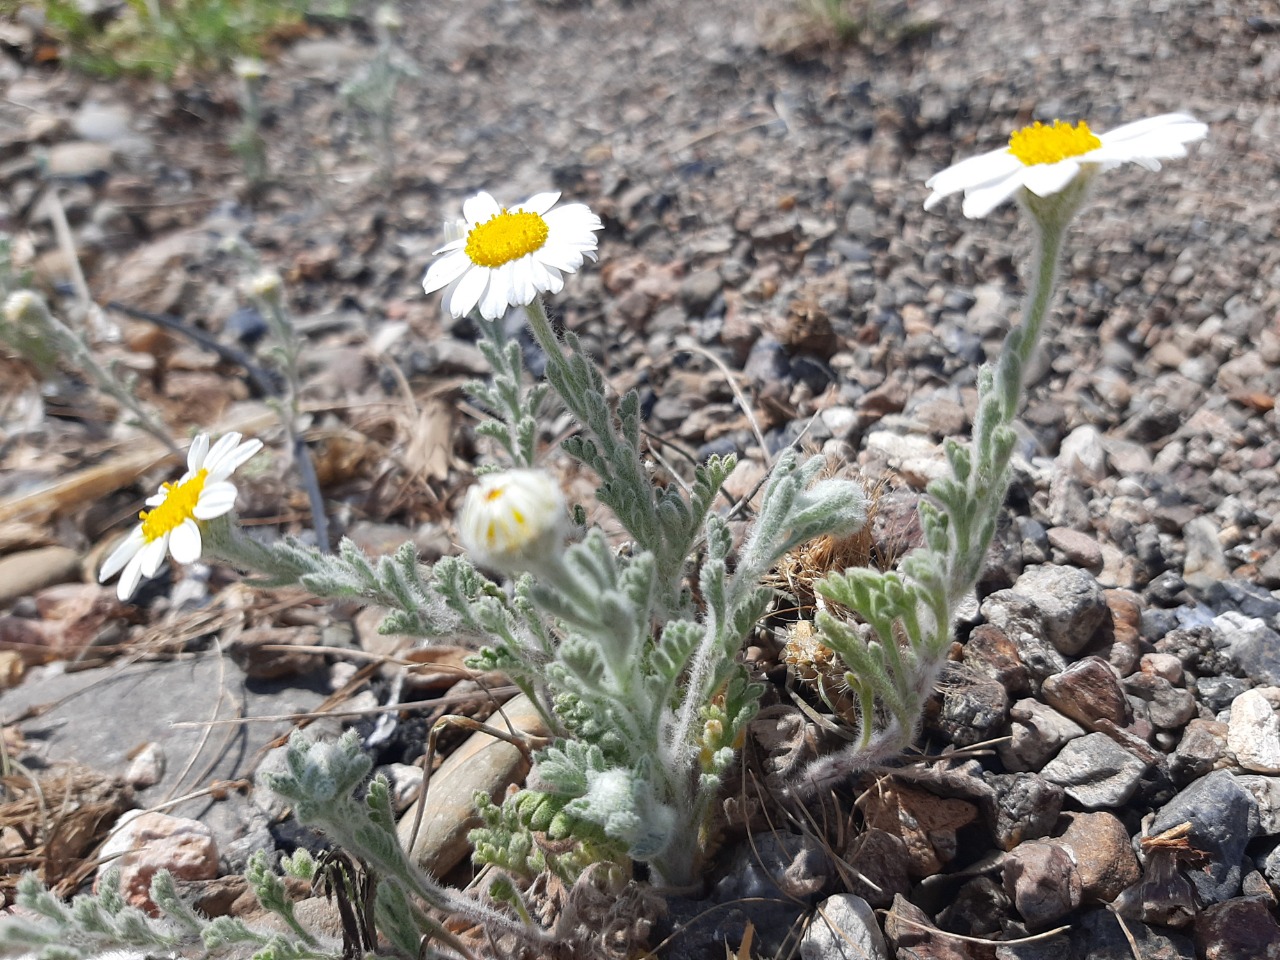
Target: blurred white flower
(173,523)
(1045,159)
(513,519)
(497,257)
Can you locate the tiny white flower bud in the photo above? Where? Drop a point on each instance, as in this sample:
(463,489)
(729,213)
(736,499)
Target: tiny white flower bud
(512,520)
(267,285)
(249,68)
(387,17)
(21,305)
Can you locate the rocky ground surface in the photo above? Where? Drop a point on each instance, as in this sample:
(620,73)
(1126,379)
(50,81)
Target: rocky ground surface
(1113,701)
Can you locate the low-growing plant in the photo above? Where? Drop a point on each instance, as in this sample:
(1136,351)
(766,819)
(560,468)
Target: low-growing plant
(159,39)
(628,644)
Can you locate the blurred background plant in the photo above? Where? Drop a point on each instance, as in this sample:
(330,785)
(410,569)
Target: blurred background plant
(161,38)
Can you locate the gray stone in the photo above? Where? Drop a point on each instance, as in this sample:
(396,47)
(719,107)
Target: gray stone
(1037,732)
(1082,455)
(1253,733)
(1026,808)
(699,289)
(1252,645)
(845,928)
(1223,817)
(1098,935)
(1018,617)
(1266,791)
(1206,562)
(1169,707)
(970,708)
(777,864)
(78,158)
(101,122)
(191,692)
(1203,748)
(1096,771)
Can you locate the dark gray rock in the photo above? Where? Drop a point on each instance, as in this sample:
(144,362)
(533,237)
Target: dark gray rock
(1096,771)
(1026,808)
(1169,707)
(1223,817)
(967,708)
(1202,749)
(1097,935)
(1252,646)
(775,865)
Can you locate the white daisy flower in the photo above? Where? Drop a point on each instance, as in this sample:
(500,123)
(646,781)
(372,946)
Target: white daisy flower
(1045,159)
(511,520)
(173,523)
(497,258)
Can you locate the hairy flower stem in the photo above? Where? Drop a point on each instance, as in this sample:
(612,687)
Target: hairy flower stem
(911,611)
(989,483)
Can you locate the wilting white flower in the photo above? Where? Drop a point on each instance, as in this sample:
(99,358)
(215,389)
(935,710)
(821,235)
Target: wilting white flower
(172,524)
(1044,159)
(497,257)
(513,519)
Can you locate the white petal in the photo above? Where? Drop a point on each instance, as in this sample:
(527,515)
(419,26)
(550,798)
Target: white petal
(554,282)
(196,455)
(184,542)
(982,200)
(215,500)
(231,461)
(494,303)
(129,579)
(982,169)
(1046,179)
(152,555)
(523,287)
(480,208)
(540,203)
(470,288)
(125,551)
(561,257)
(158,498)
(1185,126)
(575,218)
(457,244)
(226,443)
(444,271)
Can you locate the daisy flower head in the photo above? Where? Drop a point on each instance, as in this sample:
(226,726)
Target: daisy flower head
(513,519)
(172,525)
(496,257)
(1044,159)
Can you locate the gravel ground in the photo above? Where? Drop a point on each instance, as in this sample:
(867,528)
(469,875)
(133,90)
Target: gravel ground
(762,193)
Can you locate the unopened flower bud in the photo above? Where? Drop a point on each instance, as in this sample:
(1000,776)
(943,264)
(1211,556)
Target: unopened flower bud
(387,17)
(249,68)
(267,285)
(22,306)
(513,520)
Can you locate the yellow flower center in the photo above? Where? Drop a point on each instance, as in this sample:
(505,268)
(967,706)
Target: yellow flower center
(1040,144)
(179,505)
(506,236)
